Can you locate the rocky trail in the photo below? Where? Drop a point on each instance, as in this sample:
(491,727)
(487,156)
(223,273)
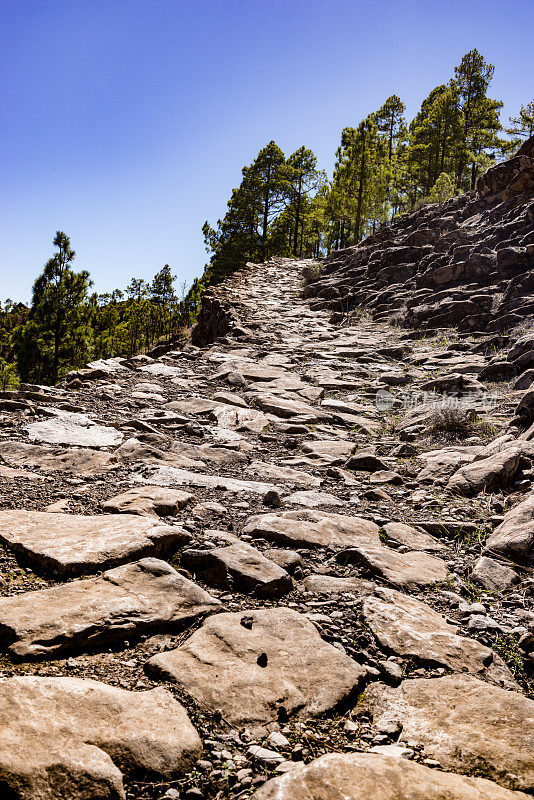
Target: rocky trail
(274,564)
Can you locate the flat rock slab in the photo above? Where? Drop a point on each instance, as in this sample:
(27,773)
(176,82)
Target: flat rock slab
(514,537)
(76,461)
(162,370)
(489,474)
(468,725)
(332,451)
(134,451)
(307,528)
(240,567)
(287,407)
(70,544)
(412,570)
(74,739)
(128,600)
(284,476)
(148,501)
(311,499)
(332,584)
(410,628)
(230,416)
(168,476)
(402,534)
(257,666)
(360,776)
(77,430)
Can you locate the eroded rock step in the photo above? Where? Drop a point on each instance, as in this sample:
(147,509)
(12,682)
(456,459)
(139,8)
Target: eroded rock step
(341,575)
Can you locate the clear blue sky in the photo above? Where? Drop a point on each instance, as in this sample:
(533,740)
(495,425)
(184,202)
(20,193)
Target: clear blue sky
(125,123)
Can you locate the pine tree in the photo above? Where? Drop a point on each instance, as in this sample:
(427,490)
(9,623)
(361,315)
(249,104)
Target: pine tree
(270,175)
(480,122)
(58,333)
(522,126)
(303,177)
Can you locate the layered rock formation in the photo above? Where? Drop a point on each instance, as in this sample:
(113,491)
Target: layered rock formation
(466,263)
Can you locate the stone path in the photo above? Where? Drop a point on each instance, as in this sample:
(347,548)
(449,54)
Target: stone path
(340,574)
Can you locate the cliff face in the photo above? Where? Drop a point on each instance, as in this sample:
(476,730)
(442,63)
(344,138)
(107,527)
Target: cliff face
(466,263)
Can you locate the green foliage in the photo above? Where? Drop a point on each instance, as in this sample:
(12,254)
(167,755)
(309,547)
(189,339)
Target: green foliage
(271,211)
(8,376)
(65,327)
(521,127)
(58,332)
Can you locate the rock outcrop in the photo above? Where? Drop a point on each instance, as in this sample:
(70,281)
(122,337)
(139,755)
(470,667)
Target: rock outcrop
(467,263)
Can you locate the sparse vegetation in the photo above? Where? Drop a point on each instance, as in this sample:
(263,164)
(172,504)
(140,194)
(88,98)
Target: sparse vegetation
(451,417)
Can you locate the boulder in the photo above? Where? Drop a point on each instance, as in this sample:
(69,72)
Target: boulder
(409,628)
(514,537)
(308,528)
(466,724)
(239,567)
(70,544)
(126,601)
(487,474)
(148,501)
(260,666)
(74,739)
(360,776)
(493,575)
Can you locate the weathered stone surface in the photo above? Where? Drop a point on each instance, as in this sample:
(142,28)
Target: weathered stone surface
(287,407)
(468,725)
(283,476)
(402,534)
(68,544)
(331,584)
(240,419)
(148,501)
(514,537)
(441,464)
(128,600)
(256,666)
(240,567)
(410,628)
(493,575)
(333,451)
(72,738)
(307,528)
(163,370)
(488,474)
(312,499)
(169,476)
(69,428)
(360,776)
(412,570)
(76,461)
(252,371)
